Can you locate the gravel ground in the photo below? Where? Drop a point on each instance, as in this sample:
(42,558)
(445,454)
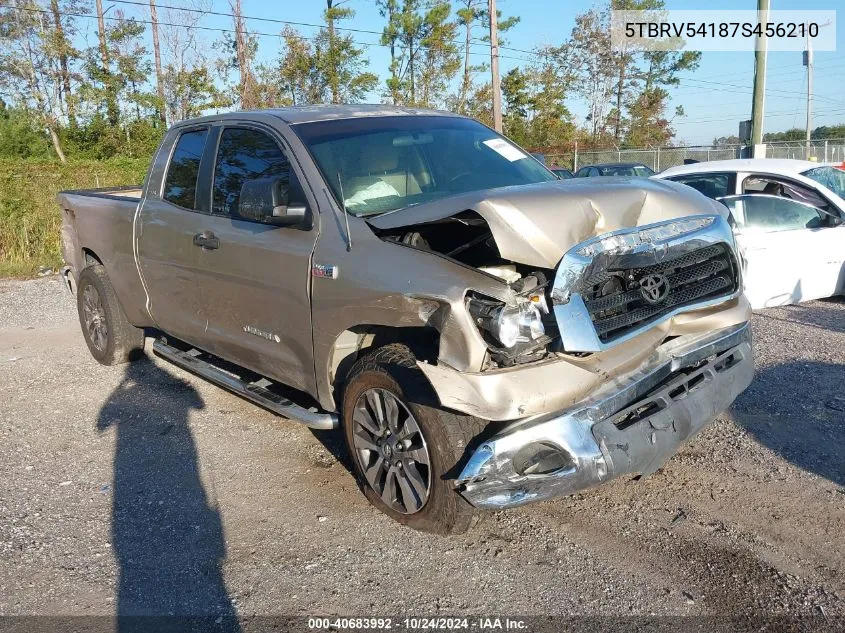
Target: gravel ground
(141,489)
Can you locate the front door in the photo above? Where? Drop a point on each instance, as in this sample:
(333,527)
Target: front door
(791,250)
(254,278)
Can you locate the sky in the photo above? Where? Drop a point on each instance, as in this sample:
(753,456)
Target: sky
(715,97)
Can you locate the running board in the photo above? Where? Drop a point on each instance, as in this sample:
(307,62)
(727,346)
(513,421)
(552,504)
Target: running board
(254,391)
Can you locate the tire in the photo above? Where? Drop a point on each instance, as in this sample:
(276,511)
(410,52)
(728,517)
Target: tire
(111,339)
(391,371)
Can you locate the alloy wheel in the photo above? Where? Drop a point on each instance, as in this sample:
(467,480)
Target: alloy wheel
(95,317)
(391,450)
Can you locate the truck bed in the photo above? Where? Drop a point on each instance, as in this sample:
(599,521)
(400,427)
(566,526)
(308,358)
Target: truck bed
(126,192)
(98,226)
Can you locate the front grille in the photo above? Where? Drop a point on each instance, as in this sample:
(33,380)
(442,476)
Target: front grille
(618,299)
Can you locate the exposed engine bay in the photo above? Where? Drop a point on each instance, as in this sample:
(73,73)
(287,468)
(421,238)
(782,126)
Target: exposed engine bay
(515,334)
(574,255)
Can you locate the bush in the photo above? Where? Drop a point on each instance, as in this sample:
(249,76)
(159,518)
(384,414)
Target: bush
(30,220)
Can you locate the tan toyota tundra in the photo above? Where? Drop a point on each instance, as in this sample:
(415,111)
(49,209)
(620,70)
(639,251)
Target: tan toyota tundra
(484,334)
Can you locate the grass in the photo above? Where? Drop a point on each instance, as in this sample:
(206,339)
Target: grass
(30,221)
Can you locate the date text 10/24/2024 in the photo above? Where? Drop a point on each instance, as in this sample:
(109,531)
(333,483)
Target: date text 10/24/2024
(418,624)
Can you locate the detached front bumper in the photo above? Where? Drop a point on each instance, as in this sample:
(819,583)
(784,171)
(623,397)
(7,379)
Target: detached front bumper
(633,425)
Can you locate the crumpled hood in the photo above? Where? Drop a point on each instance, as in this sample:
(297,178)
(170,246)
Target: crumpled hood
(536,224)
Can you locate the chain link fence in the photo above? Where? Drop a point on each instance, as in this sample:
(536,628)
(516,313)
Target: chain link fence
(828,151)
(660,158)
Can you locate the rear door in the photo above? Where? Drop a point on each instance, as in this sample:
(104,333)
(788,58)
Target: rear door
(164,235)
(254,278)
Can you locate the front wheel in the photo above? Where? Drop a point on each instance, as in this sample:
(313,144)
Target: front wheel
(111,339)
(402,448)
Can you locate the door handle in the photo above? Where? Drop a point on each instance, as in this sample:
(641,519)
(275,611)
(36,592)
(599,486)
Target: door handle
(207,240)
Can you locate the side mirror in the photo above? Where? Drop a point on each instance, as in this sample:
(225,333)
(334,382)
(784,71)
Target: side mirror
(267,200)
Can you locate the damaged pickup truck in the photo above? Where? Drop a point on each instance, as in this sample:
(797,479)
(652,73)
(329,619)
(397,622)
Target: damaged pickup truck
(484,334)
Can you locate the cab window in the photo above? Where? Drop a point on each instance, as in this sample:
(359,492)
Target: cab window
(244,154)
(180,184)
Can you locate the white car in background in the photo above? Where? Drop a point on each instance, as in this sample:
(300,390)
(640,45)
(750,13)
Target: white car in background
(789,221)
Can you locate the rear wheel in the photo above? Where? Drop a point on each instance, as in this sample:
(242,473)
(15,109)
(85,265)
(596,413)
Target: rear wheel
(404,450)
(111,339)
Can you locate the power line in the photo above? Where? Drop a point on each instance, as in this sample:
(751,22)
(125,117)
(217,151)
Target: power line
(218,29)
(473,41)
(736,116)
(748,72)
(768,90)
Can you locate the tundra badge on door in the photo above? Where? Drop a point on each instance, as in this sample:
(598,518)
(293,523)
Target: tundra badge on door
(251,329)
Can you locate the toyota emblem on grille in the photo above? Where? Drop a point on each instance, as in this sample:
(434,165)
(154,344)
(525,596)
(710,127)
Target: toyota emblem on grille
(654,288)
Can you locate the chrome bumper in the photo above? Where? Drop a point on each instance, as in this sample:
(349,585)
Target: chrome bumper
(632,425)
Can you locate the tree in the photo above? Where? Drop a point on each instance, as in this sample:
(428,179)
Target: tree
(479,104)
(339,61)
(440,56)
(61,48)
(245,48)
(298,73)
(625,62)
(725,141)
(157,57)
(27,74)
(551,122)
(469,13)
(648,124)
(793,134)
(829,132)
(390,37)
(593,62)
(410,34)
(189,87)
(130,64)
(109,86)
(20,136)
(424,56)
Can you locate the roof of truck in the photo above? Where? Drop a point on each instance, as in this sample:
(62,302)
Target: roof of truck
(310,113)
(304,114)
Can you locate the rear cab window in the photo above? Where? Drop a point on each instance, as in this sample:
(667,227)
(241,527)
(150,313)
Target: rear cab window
(180,183)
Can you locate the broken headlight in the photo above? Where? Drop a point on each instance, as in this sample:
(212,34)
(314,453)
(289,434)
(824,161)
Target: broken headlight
(628,240)
(509,326)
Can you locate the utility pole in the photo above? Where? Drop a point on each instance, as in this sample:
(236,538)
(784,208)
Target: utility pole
(808,62)
(157,55)
(494,67)
(760,50)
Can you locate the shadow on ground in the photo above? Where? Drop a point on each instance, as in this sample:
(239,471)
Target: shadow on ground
(797,410)
(167,537)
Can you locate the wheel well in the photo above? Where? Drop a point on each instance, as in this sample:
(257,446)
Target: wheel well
(424,342)
(91,257)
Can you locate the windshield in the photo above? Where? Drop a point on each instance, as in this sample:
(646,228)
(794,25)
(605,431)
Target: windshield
(830,177)
(379,164)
